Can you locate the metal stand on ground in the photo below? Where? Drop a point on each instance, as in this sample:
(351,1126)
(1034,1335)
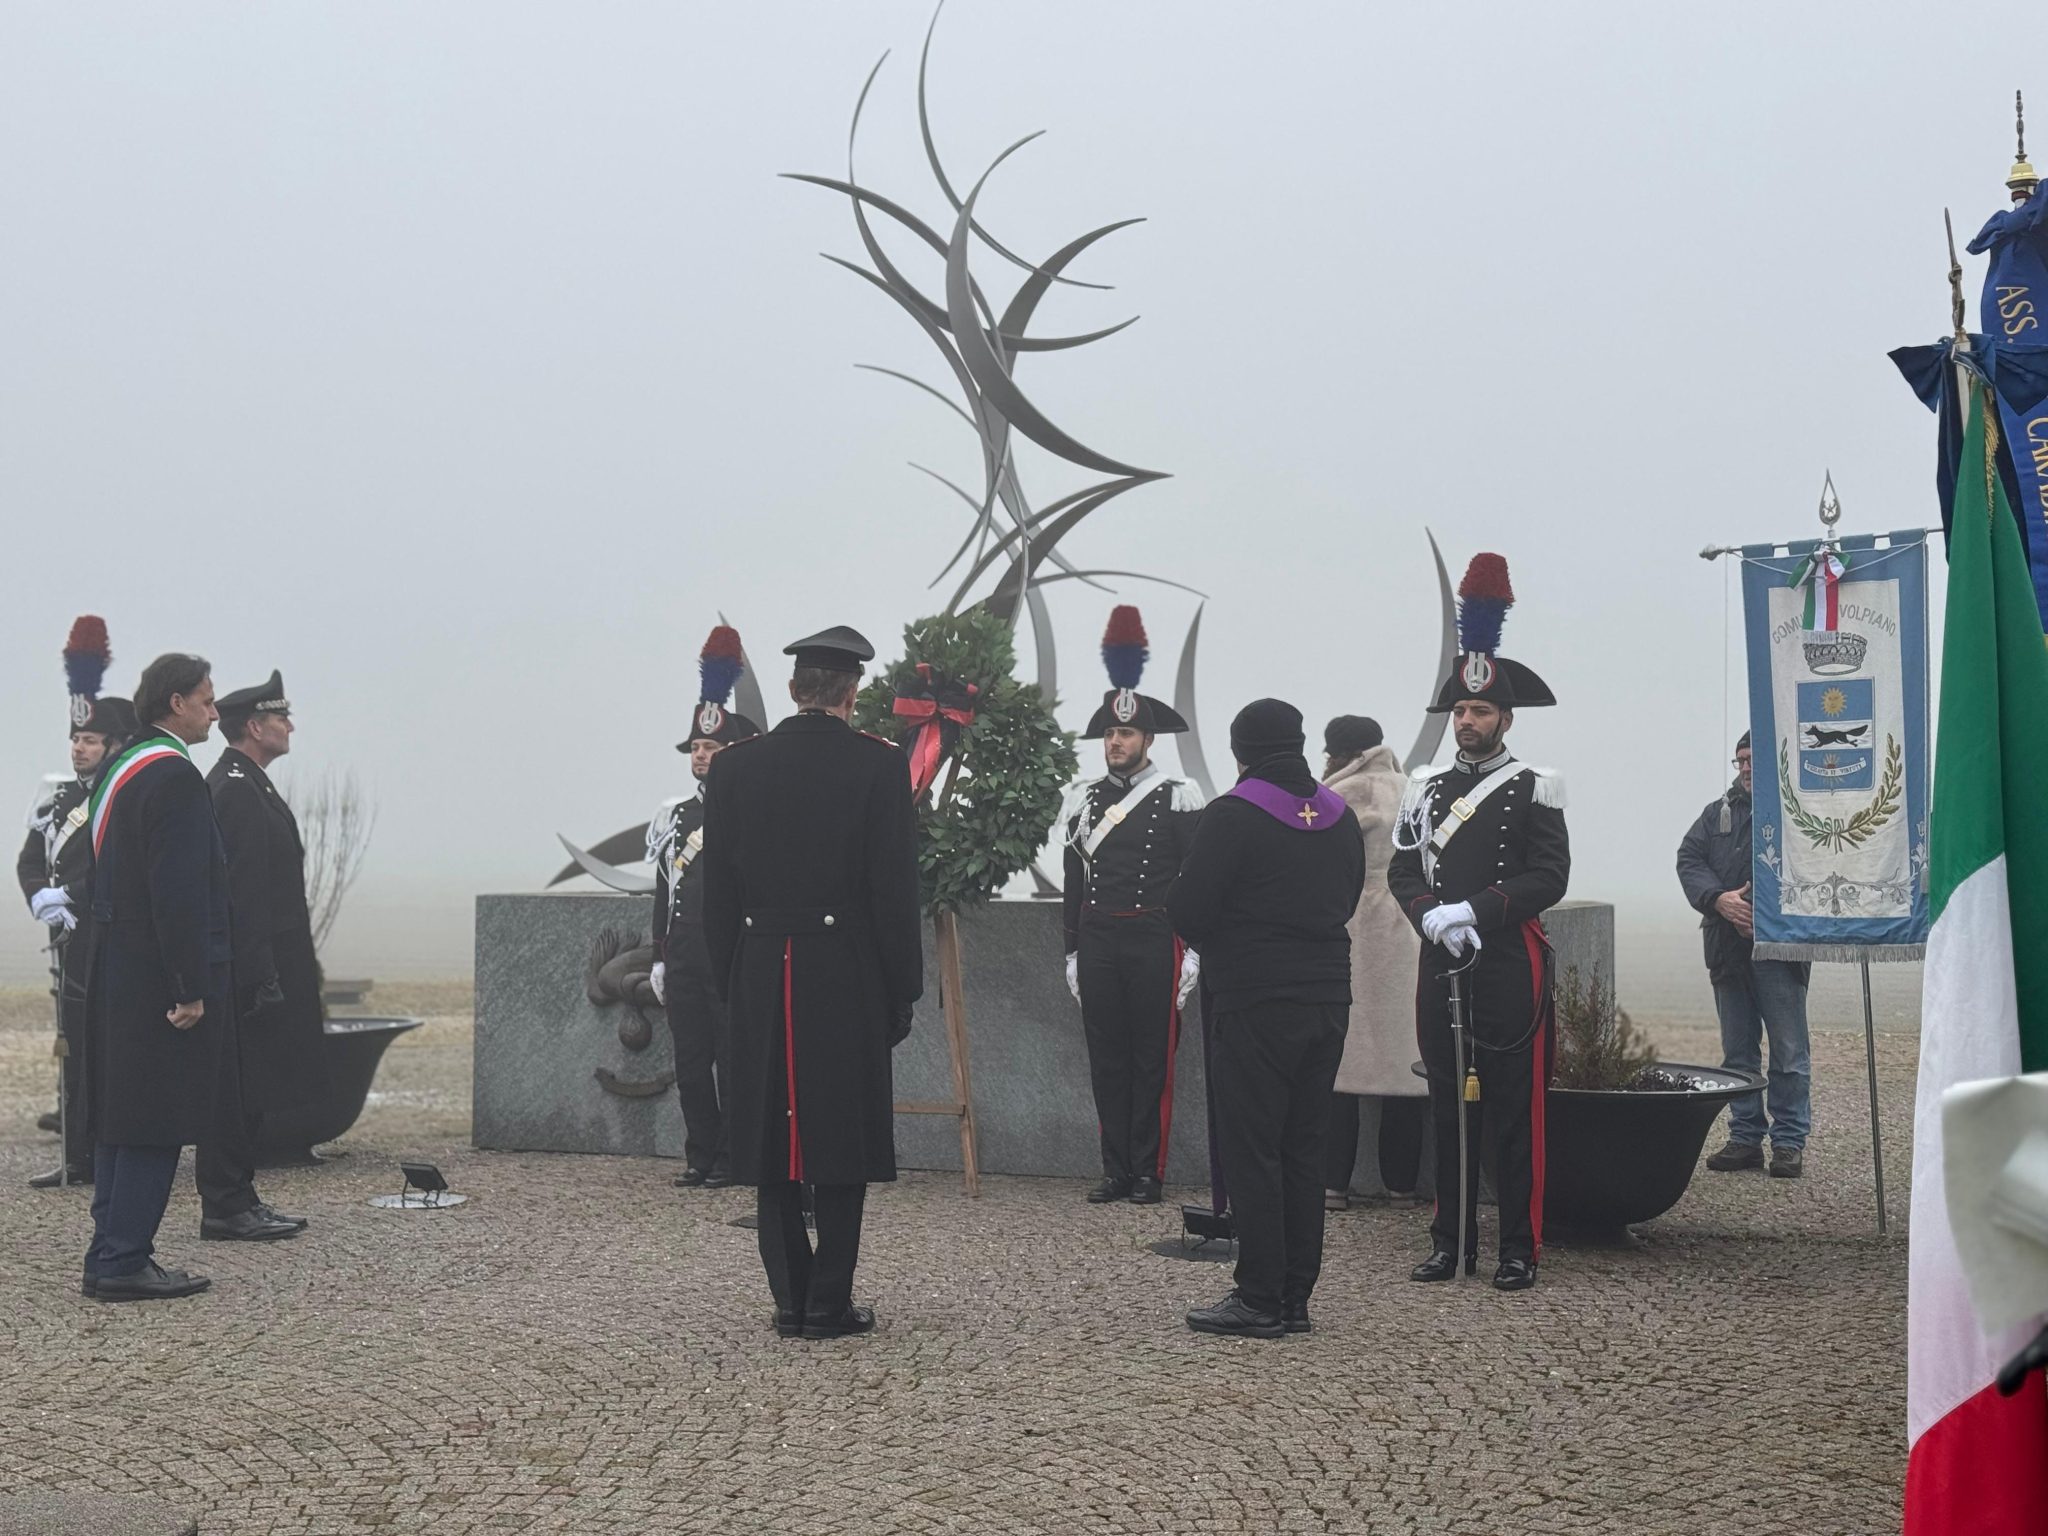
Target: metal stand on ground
(1870,1061)
(946,932)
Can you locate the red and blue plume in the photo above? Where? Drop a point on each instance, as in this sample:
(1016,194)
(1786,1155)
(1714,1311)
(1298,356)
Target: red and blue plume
(1123,647)
(719,665)
(1484,598)
(86,655)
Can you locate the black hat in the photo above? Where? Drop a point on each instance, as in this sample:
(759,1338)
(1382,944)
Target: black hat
(1348,735)
(1124,655)
(86,656)
(1743,742)
(1266,728)
(719,666)
(1484,597)
(111,717)
(265,698)
(838,649)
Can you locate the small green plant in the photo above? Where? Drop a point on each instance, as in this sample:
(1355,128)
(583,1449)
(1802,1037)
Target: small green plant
(999,790)
(1598,1045)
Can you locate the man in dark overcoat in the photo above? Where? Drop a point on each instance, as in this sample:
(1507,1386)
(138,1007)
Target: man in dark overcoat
(277,974)
(1481,853)
(160,1001)
(1267,891)
(813,921)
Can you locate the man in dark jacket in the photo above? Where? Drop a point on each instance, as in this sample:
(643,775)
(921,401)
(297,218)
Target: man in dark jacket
(160,1002)
(277,975)
(1751,996)
(812,918)
(682,976)
(1266,898)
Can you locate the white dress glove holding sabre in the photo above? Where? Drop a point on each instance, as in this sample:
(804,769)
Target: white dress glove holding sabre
(52,906)
(658,979)
(1437,920)
(1190,973)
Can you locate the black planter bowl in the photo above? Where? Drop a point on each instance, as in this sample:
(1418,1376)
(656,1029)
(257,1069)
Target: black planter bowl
(1615,1157)
(351,1047)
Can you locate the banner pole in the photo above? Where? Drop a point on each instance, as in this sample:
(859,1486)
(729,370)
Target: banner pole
(1870,1061)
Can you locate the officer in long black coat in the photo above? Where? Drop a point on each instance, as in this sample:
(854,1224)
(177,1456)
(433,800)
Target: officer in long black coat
(812,917)
(277,973)
(682,976)
(1267,891)
(1481,854)
(160,1001)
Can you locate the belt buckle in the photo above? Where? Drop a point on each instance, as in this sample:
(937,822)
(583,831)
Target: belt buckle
(1463,809)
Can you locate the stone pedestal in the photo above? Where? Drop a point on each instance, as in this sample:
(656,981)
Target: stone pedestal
(540,1043)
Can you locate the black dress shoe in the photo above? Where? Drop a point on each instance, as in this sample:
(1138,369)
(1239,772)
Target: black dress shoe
(789,1323)
(55,1178)
(1514,1275)
(1235,1317)
(718,1178)
(51,1124)
(260,1209)
(690,1178)
(152,1282)
(1110,1190)
(1144,1191)
(1442,1265)
(1294,1317)
(852,1321)
(244,1227)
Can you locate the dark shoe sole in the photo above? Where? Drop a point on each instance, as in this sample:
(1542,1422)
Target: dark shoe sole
(1151,1199)
(277,1236)
(812,1331)
(1304,1326)
(1798,1172)
(1247,1331)
(114,1298)
(1515,1285)
(1102,1197)
(1747,1165)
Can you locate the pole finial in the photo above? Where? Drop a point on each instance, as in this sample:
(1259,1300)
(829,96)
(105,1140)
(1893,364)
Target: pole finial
(2023,180)
(1955,282)
(1830,504)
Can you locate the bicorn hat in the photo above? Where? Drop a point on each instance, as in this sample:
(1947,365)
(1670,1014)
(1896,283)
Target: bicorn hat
(838,649)
(1124,655)
(266,698)
(86,657)
(719,666)
(1480,672)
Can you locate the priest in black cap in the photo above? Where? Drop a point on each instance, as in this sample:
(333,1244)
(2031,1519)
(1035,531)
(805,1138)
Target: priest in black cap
(682,976)
(277,977)
(1481,854)
(813,920)
(1125,836)
(1267,891)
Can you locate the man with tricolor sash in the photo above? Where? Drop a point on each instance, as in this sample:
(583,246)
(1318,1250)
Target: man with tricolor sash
(1480,854)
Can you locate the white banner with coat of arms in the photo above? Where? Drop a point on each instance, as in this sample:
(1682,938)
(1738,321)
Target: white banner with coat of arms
(1837,642)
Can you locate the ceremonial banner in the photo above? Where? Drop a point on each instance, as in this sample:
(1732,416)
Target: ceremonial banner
(2015,304)
(1837,641)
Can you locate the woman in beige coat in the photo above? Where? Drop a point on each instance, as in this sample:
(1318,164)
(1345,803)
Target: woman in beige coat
(1379,1048)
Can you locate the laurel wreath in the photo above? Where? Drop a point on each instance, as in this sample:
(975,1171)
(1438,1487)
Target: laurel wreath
(1835,833)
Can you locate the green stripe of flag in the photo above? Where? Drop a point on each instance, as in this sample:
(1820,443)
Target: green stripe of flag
(1992,748)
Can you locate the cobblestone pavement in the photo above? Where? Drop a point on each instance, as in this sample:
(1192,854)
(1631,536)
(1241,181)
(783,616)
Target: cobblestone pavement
(585,1349)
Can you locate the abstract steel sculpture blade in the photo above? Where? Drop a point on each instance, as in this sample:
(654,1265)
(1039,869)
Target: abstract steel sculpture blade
(1431,736)
(629,846)
(629,881)
(1003,599)
(1190,742)
(1048,652)
(1057,559)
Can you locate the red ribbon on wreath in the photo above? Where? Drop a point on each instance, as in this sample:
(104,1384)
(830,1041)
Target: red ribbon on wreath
(936,713)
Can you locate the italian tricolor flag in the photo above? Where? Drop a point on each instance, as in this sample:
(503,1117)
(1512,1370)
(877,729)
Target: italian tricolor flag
(1978,1462)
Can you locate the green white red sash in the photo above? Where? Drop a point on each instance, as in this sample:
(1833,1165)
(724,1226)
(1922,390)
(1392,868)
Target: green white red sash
(1821,573)
(149,750)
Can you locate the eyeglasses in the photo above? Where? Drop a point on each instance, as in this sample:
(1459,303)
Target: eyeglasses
(1740,762)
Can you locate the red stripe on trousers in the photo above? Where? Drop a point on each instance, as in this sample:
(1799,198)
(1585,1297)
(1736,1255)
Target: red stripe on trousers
(1539,1080)
(1982,1468)
(1172,1050)
(796,1146)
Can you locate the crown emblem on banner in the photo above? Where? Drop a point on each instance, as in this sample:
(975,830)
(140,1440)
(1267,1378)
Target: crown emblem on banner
(1832,653)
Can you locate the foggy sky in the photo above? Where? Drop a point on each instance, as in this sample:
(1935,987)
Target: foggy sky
(463,360)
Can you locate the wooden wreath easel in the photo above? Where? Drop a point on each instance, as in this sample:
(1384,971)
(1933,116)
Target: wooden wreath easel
(946,937)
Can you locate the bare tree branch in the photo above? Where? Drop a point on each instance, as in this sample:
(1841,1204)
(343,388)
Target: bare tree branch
(336,819)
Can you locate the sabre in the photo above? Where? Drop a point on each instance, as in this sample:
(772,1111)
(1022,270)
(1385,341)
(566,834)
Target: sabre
(1468,1093)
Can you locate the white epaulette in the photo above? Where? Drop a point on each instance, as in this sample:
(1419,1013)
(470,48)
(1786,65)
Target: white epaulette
(1549,787)
(1186,796)
(1417,789)
(661,825)
(1072,801)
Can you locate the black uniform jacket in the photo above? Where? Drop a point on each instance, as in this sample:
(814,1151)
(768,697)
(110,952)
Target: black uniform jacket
(679,897)
(1134,865)
(1511,860)
(74,853)
(812,916)
(266,864)
(1268,905)
(162,937)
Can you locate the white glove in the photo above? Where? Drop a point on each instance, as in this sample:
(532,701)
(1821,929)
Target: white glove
(1190,973)
(1074,974)
(1437,919)
(50,905)
(1459,938)
(658,979)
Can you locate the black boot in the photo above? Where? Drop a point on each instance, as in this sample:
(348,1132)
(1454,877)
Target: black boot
(1110,1190)
(1514,1275)
(1442,1265)
(1237,1318)
(152,1282)
(848,1323)
(1294,1316)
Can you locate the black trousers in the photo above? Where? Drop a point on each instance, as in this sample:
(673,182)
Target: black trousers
(1402,1124)
(818,1283)
(696,1026)
(224,1168)
(71,1043)
(1274,1064)
(1129,970)
(131,1188)
(1509,1044)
